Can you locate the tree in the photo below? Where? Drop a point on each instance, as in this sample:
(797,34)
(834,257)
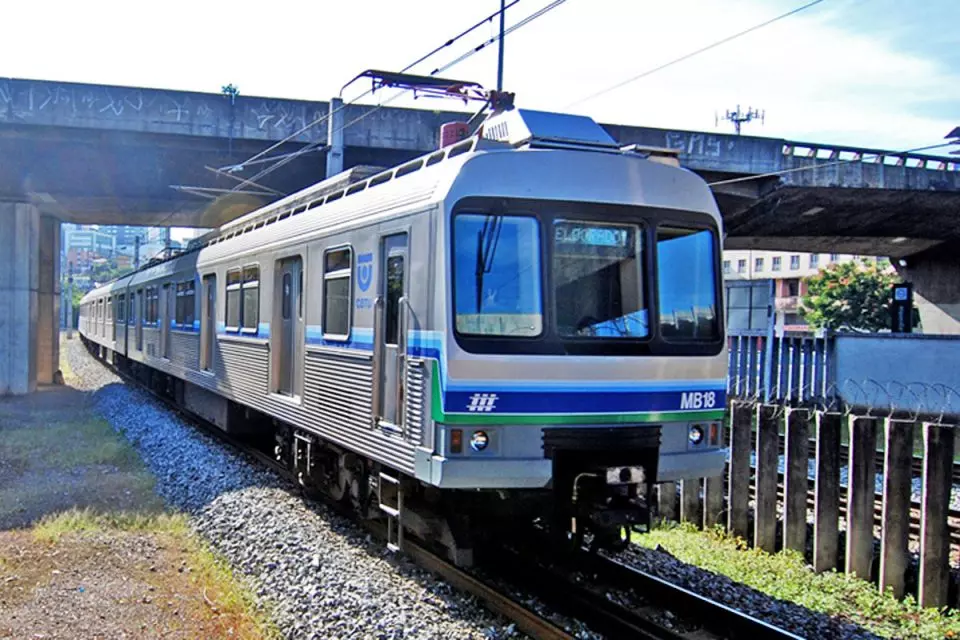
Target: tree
(850,295)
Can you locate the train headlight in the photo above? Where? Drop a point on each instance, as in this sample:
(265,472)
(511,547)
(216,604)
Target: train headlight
(479,440)
(695,435)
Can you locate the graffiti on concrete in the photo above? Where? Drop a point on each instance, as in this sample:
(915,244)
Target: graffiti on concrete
(699,144)
(51,103)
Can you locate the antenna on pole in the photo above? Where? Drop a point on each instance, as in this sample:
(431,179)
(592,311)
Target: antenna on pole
(739,117)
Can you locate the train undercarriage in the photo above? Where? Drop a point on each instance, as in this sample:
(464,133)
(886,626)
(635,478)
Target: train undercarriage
(601,488)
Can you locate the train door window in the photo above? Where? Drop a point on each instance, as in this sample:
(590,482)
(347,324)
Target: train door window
(233,300)
(141,303)
(337,292)
(209,314)
(300,296)
(286,295)
(392,287)
(132,309)
(250,316)
(168,313)
(687,283)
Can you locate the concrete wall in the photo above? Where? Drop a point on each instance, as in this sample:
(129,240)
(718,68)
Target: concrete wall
(29,297)
(907,373)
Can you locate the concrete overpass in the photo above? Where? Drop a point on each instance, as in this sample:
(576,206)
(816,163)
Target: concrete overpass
(110,155)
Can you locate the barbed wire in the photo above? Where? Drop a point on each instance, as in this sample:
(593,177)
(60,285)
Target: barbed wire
(862,398)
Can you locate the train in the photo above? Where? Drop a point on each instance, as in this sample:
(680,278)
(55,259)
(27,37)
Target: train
(524,325)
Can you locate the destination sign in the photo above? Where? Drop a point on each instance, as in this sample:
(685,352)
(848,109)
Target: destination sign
(593,235)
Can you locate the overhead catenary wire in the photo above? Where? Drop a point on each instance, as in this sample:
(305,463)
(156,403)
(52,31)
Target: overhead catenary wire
(326,116)
(533,16)
(692,54)
(813,167)
(309,147)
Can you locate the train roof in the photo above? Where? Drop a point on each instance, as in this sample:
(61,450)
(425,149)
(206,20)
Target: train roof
(518,153)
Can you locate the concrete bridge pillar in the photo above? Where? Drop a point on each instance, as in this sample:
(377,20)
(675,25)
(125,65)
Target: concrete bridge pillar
(935,275)
(29,297)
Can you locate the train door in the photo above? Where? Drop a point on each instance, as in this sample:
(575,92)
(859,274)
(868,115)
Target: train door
(288,350)
(166,313)
(392,338)
(208,327)
(139,320)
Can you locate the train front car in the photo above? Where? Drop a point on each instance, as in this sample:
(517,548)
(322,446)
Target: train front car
(584,357)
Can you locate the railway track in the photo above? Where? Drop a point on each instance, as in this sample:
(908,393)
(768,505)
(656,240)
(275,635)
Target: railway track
(560,585)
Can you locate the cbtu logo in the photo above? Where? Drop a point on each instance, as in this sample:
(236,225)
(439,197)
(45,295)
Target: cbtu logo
(364,270)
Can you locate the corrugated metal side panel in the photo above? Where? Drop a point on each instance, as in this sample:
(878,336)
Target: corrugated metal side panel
(185,350)
(337,393)
(151,342)
(416,400)
(242,370)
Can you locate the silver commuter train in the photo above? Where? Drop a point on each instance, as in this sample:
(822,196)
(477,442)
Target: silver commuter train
(533,311)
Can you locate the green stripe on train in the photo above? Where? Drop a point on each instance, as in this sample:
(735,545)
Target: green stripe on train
(620,418)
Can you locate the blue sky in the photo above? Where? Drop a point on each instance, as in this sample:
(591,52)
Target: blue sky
(875,73)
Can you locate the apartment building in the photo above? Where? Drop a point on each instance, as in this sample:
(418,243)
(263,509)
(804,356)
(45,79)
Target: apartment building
(787,270)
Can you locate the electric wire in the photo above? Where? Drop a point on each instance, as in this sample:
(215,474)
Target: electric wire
(326,116)
(309,147)
(692,54)
(533,16)
(286,158)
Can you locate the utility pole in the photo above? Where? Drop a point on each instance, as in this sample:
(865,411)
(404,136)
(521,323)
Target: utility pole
(136,252)
(503,10)
(70,300)
(739,117)
(166,242)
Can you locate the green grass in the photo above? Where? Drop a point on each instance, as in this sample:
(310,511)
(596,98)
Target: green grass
(786,576)
(51,528)
(67,444)
(209,571)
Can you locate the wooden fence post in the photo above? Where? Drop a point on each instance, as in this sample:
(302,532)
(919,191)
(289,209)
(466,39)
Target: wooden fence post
(897,490)
(861,493)
(795,481)
(690,501)
(712,501)
(826,508)
(667,501)
(935,501)
(768,441)
(738,497)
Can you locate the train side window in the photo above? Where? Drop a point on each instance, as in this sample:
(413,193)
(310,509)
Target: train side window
(233,300)
(337,289)
(250,316)
(186,301)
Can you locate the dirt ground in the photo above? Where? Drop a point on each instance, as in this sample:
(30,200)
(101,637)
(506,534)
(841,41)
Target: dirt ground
(86,550)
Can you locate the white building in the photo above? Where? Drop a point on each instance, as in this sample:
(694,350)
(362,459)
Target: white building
(787,269)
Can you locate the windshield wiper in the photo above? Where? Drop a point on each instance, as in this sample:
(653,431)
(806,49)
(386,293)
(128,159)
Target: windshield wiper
(487,240)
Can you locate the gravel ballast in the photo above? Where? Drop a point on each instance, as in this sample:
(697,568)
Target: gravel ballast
(320,575)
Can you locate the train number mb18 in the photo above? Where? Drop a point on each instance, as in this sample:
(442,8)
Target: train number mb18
(698,400)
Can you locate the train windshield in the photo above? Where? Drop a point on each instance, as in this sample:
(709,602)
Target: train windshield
(567,278)
(498,275)
(685,274)
(597,280)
